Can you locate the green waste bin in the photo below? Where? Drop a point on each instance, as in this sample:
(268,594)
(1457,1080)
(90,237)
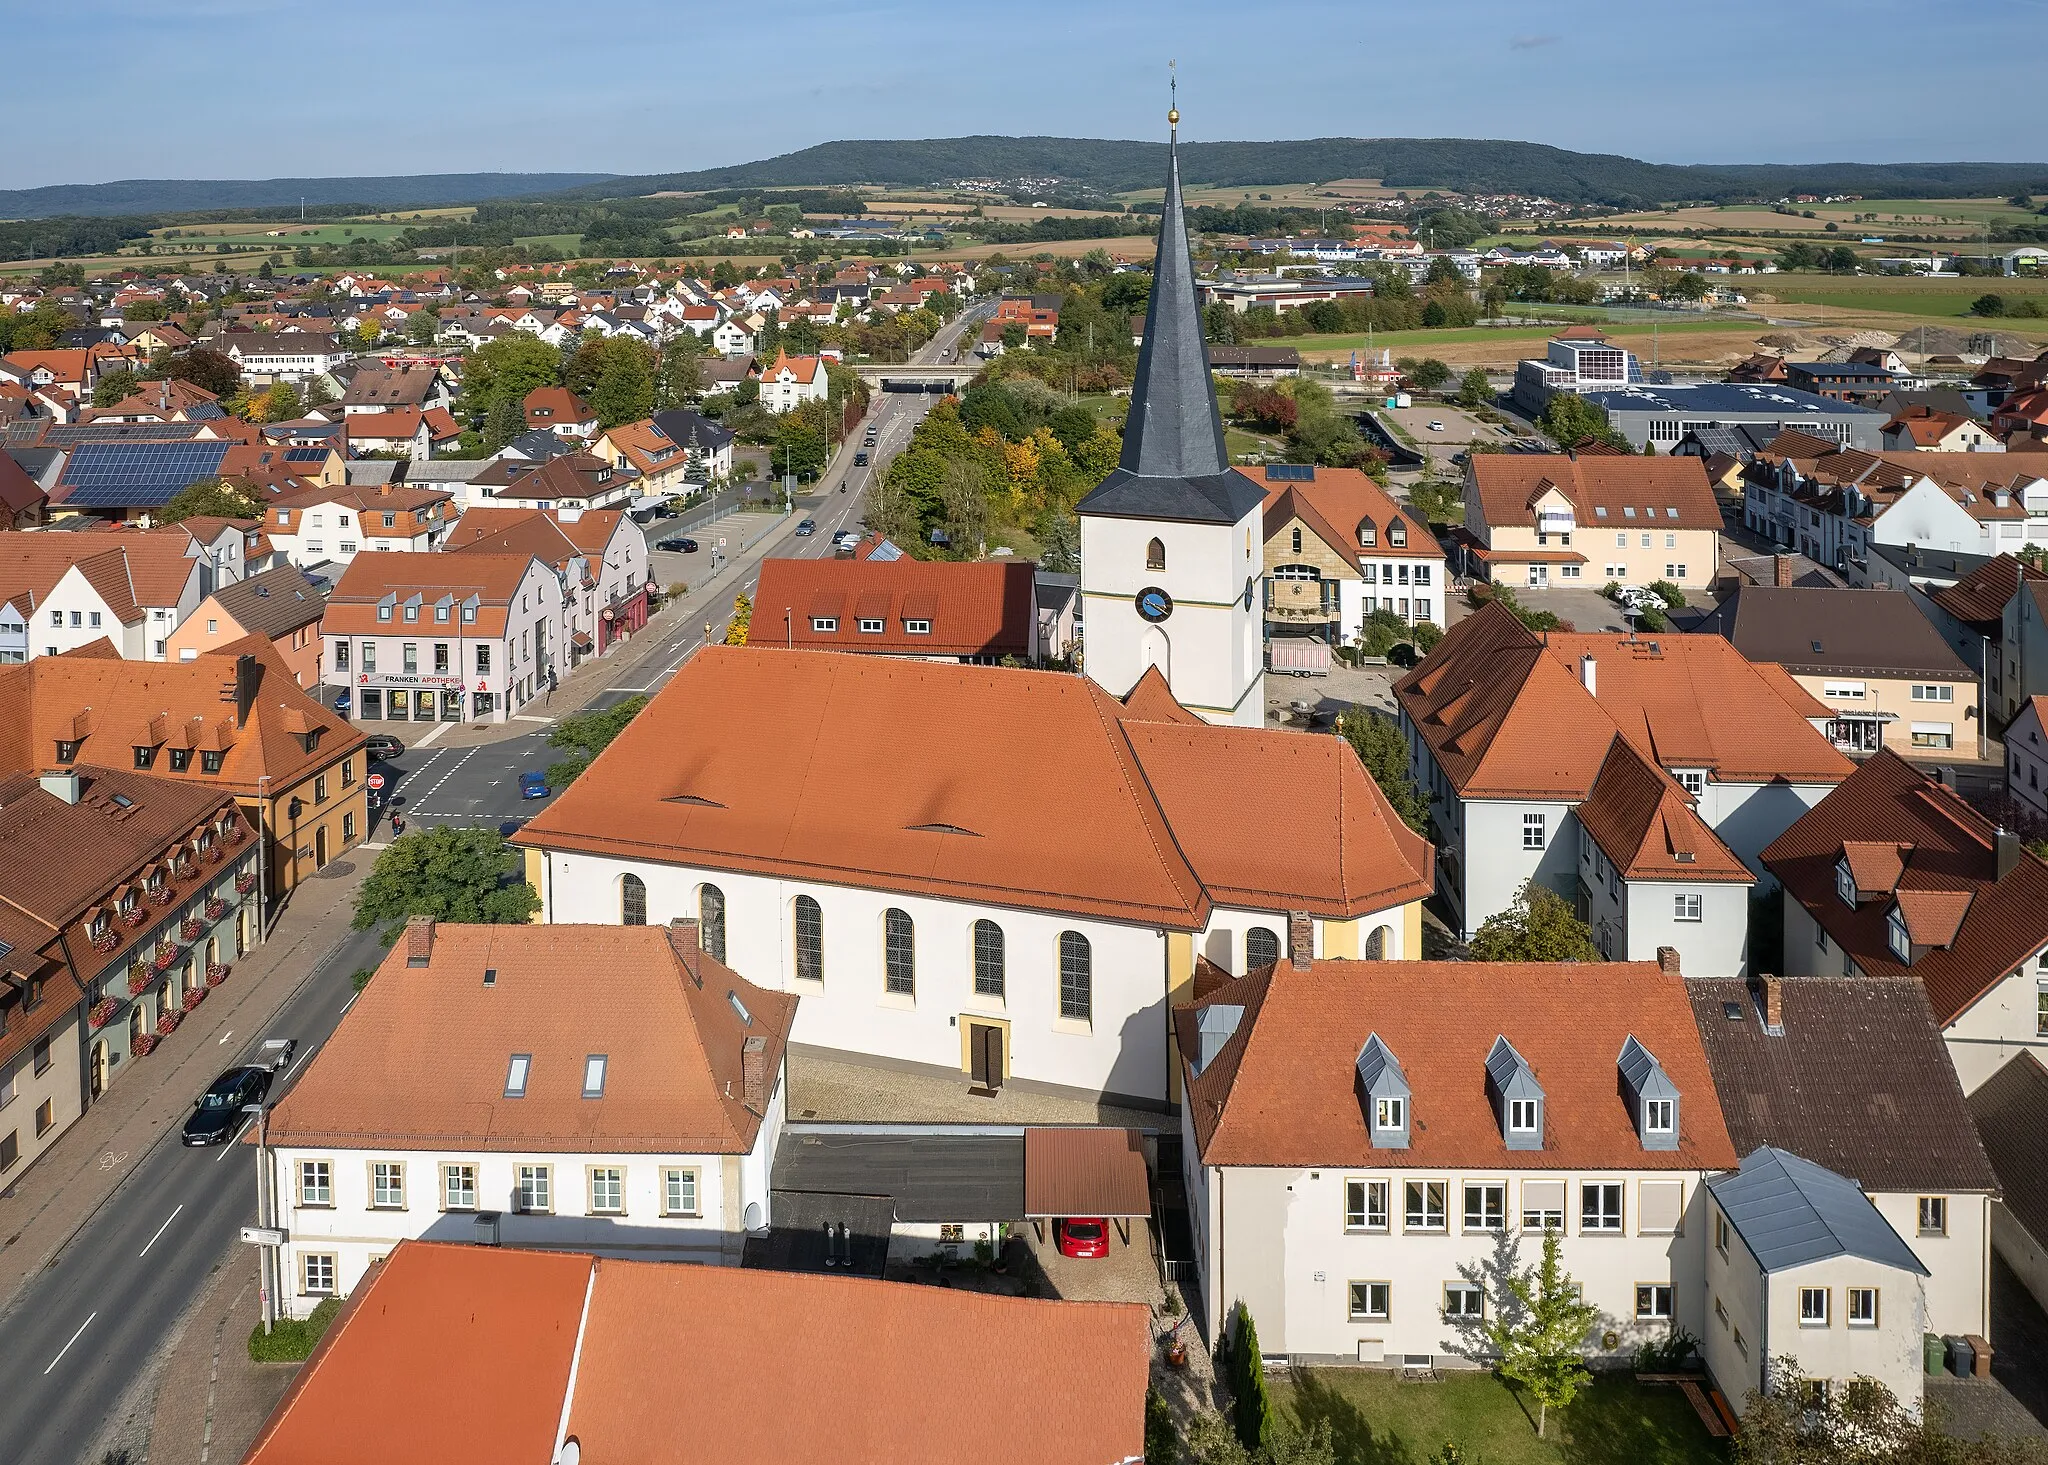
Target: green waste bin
(1934,1352)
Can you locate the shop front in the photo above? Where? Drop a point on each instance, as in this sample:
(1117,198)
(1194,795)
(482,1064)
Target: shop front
(424,698)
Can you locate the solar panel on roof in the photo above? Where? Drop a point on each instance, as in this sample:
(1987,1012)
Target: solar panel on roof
(305,455)
(1290,473)
(141,474)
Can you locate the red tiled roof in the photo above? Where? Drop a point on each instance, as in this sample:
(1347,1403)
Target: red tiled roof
(979,609)
(1284,1089)
(1334,504)
(1669,493)
(1984,593)
(1646,824)
(1915,841)
(492,577)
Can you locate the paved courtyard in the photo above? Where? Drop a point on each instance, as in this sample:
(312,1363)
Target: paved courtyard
(832,1091)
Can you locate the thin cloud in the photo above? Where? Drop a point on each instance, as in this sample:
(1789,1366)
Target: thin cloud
(1531,43)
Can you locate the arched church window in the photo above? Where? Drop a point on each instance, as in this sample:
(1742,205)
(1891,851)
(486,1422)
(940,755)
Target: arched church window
(1155,555)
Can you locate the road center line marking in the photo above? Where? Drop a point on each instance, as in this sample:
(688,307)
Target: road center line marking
(160,1230)
(233,1141)
(67,1347)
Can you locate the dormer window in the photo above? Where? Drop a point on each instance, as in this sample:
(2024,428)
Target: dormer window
(383,612)
(1397,534)
(1368,534)
(1517,1097)
(1897,936)
(210,762)
(1845,882)
(67,749)
(1651,1096)
(145,755)
(917,627)
(181,759)
(1384,1089)
(824,623)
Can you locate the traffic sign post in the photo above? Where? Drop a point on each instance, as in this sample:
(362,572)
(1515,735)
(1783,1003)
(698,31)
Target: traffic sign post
(375,781)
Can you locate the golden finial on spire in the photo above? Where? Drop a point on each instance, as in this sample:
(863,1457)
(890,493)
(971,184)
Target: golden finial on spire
(1173,92)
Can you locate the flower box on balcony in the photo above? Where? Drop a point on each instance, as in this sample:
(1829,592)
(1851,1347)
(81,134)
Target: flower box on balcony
(191,928)
(244,884)
(194,996)
(168,1023)
(138,982)
(143,1045)
(163,895)
(215,908)
(134,916)
(217,973)
(106,941)
(102,1013)
(160,963)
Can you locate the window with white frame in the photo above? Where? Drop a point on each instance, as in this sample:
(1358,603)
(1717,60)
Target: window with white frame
(1365,1205)
(870,626)
(1813,1307)
(1862,1306)
(1486,1205)
(1934,1215)
(1653,1301)
(1933,692)
(1845,883)
(387,1185)
(824,623)
(1533,830)
(316,1183)
(1844,691)
(316,1274)
(1657,1116)
(679,1191)
(1600,1207)
(1674,571)
(1423,1205)
(534,1193)
(1693,781)
(1542,1205)
(1371,1302)
(1688,907)
(1390,1113)
(607,1190)
(458,1187)
(1522,1116)
(1897,936)
(917,628)
(1463,1300)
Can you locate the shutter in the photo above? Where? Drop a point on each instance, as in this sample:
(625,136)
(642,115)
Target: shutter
(1544,1195)
(1659,1207)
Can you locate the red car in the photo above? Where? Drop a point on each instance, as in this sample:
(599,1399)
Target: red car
(1086,1237)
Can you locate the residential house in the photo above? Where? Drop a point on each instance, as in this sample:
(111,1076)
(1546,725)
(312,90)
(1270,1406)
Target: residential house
(378,388)
(559,411)
(280,603)
(1794,1058)
(23,501)
(2023,637)
(790,381)
(663,464)
(2026,752)
(450,638)
(233,720)
(595,1374)
(641,1125)
(568,481)
(165,400)
(959,933)
(333,525)
(1870,655)
(1507,732)
(124,898)
(1893,876)
(1927,430)
(1840,381)
(1370,1151)
(928,609)
(133,590)
(402,430)
(1536,519)
(293,356)
(1337,549)
(2011,1110)
(599,555)
(731,339)
(726,375)
(707,444)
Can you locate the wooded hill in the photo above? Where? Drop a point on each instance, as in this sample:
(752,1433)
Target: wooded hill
(191,195)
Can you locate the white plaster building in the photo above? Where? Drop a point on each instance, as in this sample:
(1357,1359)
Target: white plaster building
(927,908)
(790,381)
(483,1088)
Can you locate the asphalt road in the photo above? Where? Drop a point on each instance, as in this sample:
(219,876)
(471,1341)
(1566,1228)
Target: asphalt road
(79,1334)
(465,787)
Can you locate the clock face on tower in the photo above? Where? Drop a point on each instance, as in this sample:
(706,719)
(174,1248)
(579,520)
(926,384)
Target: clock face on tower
(1154,604)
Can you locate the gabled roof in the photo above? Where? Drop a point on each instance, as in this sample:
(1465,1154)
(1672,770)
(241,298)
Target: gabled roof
(805,775)
(1333,503)
(1944,851)
(492,579)
(1174,465)
(1647,825)
(486,1353)
(973,609)
(2011,1110)
(1790,1212)
(1859,1080)
(273,603)
(1816,630)
(1283,1089)
(1982,595)
(421,1060)
(1605,492)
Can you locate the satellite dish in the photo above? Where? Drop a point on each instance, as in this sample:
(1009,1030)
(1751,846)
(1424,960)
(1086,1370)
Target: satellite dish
(753,1215)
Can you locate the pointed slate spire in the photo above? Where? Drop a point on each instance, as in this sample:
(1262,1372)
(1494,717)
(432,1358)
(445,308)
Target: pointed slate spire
(1174,464)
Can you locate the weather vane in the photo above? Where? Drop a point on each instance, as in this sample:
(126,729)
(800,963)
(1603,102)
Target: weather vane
(1173,94)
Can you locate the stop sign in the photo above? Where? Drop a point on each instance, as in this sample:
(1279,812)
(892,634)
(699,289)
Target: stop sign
(375,780)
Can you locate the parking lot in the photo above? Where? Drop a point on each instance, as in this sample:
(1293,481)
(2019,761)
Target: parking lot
(1459,428)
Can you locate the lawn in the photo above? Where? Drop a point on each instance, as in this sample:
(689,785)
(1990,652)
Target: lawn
(1376,1419)
(1921,298)
(1416,343)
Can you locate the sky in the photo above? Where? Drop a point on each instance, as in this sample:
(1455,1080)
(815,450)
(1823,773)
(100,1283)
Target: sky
(275,88)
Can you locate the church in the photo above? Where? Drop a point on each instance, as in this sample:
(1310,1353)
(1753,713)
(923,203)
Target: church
(1001,875)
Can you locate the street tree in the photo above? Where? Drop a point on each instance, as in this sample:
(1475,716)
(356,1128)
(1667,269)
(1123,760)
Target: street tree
(742,619)
(1570,419)
(1475,389)
(459,875)
(583,735)
(1538,1329)
(1539,926)
(1384,752)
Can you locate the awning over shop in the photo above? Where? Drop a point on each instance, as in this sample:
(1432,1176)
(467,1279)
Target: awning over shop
(1085,1171)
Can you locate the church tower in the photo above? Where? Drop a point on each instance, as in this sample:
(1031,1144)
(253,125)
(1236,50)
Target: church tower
(1172,540)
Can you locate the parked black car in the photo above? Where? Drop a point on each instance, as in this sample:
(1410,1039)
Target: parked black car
(220,1108)
(382,747)
(678,545)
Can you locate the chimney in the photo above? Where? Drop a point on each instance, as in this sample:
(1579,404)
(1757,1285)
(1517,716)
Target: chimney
(1771,998)
(248,675)
(1781,569)
(2009,846)
(754,1073)
(1589,674)
(1301,941)
(684,938)
(419,940)
(1667,961)
(63,782)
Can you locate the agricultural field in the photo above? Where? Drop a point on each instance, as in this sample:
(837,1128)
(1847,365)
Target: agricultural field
(1899,303)
(1709,342)
(1960,219)
(1274,195)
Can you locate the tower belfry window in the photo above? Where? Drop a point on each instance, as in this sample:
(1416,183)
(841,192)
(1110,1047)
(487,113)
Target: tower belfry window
(1155,555)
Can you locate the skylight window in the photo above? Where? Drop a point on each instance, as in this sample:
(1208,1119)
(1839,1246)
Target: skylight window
(1670,513)
(740,1008)
(1599,511)
(1628,511)
(515,1075)
(593,1076)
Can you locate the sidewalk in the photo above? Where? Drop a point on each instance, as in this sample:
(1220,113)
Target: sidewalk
(40,1212)
(211,1399)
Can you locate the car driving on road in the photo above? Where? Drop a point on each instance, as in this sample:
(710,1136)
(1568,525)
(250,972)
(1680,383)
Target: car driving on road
(808,526)
(220,1108)
(383,748)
